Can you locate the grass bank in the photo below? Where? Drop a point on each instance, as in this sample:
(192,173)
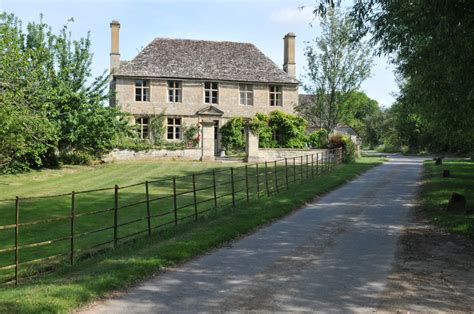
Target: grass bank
(436,191)
(72,286)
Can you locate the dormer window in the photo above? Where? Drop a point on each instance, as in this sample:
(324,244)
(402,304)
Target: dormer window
(174,91)
(142,90)
(275,96)
(211,92)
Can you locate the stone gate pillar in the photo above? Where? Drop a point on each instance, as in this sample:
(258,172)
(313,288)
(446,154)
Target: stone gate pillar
(251,146)
(207,138)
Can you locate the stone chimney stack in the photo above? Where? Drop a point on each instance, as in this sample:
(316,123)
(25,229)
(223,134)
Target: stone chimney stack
(114,50)
(289,65)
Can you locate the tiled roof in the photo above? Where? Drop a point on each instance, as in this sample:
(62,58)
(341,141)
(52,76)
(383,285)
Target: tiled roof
(199,59)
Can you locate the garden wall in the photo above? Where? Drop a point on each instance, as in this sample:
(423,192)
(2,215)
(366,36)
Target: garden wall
(268,154)
(124,154)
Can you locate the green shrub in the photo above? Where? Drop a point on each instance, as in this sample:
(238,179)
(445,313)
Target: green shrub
(388,148)
(135,144)
(233,135)
(190,136)
(318,139)
(279,129)
(348,147)
(157,129)
(76,158)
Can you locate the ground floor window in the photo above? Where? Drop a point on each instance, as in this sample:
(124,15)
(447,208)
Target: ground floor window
(173,128)
(142,127)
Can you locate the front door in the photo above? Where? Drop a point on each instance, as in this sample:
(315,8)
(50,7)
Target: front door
(216,138)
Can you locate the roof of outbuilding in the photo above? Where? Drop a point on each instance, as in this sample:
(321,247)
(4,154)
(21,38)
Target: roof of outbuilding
(200,59)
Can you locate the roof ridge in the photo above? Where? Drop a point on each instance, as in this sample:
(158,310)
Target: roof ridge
(202,40)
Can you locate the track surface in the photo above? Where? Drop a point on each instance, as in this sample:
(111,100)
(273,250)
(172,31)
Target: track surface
(334,254)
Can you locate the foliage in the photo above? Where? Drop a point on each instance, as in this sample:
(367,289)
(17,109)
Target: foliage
(318,139)
(233,135)
(337,66)
(76,158)
(279,129)
(191,136)
(46,94)
(431,44)
(157,128)
(348,147)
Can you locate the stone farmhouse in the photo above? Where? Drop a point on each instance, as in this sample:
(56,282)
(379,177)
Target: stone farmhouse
(202,83)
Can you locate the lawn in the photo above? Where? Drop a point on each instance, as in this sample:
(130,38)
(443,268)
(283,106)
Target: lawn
(72,286)
(437,190)
(104,218)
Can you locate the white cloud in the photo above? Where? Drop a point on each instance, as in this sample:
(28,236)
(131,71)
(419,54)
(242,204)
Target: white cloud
(293,15)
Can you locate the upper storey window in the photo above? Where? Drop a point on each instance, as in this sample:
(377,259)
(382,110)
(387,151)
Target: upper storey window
(174,91)
(246,94)
(211,92)
(275,96)
(142,90)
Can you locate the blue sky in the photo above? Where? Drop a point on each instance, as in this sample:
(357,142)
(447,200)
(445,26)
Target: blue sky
(263,23)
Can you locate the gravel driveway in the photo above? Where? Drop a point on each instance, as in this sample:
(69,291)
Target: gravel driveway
(334,254)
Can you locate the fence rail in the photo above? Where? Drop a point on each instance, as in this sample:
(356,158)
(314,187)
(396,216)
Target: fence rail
(83,222)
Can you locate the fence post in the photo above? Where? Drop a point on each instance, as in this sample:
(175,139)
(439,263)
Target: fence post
(148,210)
(214,187)
(266,178)
(258,181)
(195,198)
(317,164)
(301,167)
(73,208)
(276,176)
(294,169)
(232,184)
(116,189)
(17,231)
(247,182)
(312,165)
(286,172)
(307,167)
(175,205)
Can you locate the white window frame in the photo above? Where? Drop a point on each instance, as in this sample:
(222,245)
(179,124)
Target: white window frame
(247,91)
(176,128)
(210,90)
(175,91)
(277,92)
(144,129)
(144,90)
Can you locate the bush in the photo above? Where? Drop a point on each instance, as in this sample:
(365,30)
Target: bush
(279,129)
(76,158)
(318,139)
(348,147)
(233,135)
(388,148)
(190,136)
(135,144)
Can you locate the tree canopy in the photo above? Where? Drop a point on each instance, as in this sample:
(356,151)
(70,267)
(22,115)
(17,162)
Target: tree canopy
(50,104)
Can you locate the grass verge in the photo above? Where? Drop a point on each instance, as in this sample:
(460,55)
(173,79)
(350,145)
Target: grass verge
(70,287)
(436,191)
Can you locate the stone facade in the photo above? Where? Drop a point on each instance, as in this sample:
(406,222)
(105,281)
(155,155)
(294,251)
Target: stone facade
(192,63)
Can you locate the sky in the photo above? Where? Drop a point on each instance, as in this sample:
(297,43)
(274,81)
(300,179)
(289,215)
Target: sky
(262,22)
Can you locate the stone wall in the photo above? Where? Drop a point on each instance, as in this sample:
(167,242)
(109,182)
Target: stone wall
(269,154)
(185,154)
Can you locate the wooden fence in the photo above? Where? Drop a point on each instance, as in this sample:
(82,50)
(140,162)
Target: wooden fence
(77,224)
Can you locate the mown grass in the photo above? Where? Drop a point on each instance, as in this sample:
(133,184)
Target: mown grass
(72,286)
(436,191)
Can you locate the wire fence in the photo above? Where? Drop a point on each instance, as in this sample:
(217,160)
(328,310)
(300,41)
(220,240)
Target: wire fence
(37,233)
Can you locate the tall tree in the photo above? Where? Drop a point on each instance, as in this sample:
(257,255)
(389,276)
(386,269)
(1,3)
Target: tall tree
(47,84)
(337,65)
